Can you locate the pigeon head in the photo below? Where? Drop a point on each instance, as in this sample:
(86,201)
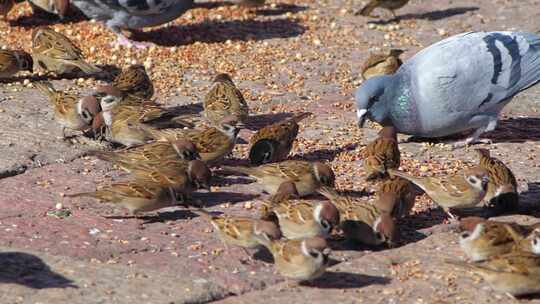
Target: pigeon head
(370,100)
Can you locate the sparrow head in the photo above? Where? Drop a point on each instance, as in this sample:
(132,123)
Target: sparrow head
(482,152)
(108,95)
(470,222)
(477,177)
(327,215)
(267,228)
(185,149)
(287,189)
(99,126)
(385,228)
(200,174)
(324,174)
(370,100)
(263,151)
(396,52)
(388,132)
(88,108)
(387,201)
(478,232)
(223,77)
(230,125)
(24,61)
(316,247)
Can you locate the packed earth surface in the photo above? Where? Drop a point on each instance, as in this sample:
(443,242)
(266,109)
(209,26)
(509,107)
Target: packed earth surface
(286,57)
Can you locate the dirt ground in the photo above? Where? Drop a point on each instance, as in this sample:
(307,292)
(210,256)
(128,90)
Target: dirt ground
(286,57)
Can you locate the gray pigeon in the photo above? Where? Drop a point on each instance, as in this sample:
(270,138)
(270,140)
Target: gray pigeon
(457,84)
(132,14)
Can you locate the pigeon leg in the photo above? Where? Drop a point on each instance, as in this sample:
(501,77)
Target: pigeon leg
(124,41)
(490,124)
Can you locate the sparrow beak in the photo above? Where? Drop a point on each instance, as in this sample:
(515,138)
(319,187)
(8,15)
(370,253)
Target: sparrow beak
(361,115)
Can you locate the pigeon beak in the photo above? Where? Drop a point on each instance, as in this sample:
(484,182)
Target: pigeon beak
(361,115)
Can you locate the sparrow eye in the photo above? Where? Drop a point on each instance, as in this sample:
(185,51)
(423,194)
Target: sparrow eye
(465,235)
(326,225)
(314,254)
(86,116)
(535,242)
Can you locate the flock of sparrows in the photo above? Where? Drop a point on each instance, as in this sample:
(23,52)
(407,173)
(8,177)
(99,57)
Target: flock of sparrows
(168,157)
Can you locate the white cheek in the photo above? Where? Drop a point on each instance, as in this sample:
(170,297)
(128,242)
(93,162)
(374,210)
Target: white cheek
(360,113)
(536,247)
(107,117)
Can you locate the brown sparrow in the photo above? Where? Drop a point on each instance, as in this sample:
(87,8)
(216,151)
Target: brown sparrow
(299,219)
(516,273)
(54,52)
(12,62)
(302,260)
(131,124)
(244,232)
(461,190)
(57,7)
(381,64)
(184,177)
(381,154)
(273,143)
(361,221)
(489,239)
(5,7)
(390,5)
(151,154)
(213,143)
(135,195)
(396,196)
(70,111)
(134,81)
(502,186)
(307,176)
(224,99)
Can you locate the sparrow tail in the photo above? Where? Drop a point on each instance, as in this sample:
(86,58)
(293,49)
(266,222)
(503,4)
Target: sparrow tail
(299,117)
(328,192)
(46,88)
(368,9)
(394,172)
(238,169)
(87,67)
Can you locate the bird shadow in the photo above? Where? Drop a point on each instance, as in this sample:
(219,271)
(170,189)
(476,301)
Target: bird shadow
(224,181)
(511,130)
(29,270)
(42,18)
(431,16)
(281,9)
(256,122)
(325,154)
(187,109)
(529,201)
(344,280)
(167,216)
(211,199)
(214,31)
(105,75)
(516,130)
